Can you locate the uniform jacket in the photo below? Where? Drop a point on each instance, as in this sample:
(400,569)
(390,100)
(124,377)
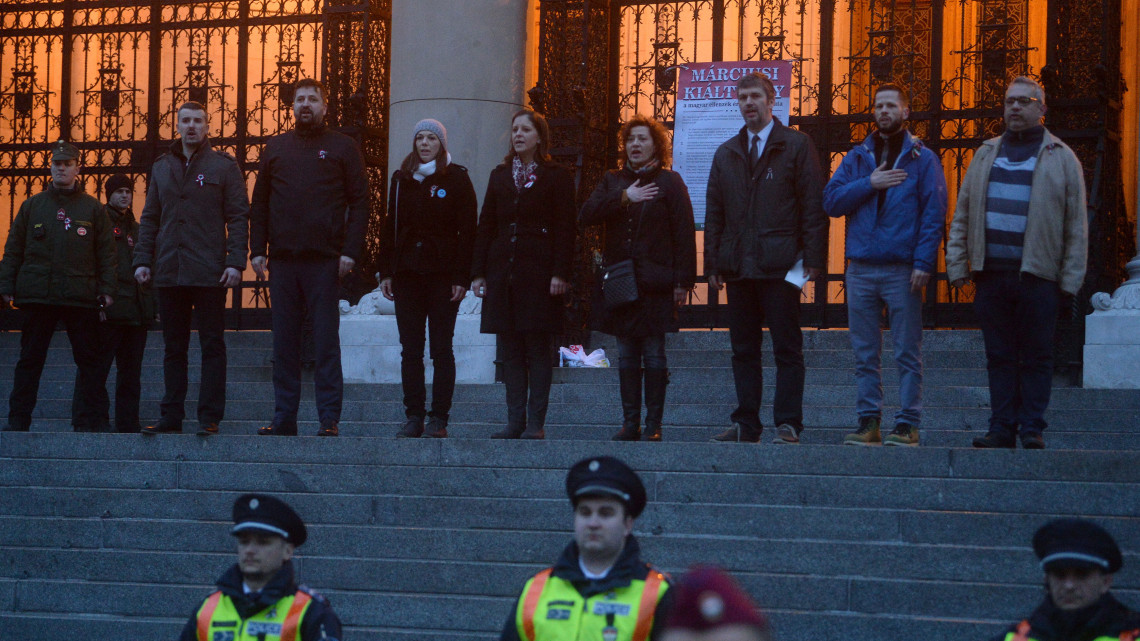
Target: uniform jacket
(430,226)
(908,228)
(1056,231)
(523,240)
(195,222)
(60,251)
(663,248)
(627,570)
(134,303)
(319,615)
(1103,621)
(307,181)
(758,222)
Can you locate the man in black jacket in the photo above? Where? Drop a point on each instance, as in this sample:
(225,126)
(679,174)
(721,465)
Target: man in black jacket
(764,212)
(193,237)
(1079,558)
(309,178)
(258,597)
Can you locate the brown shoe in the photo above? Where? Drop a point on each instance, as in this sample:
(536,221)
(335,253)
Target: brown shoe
(533,434)
(738,433)
(436,428)
(273,429)
(207,429)
(329,428)
(162,427)
(786,435)
(509,432)
(413,428)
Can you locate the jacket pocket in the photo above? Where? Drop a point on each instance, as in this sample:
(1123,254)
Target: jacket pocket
(777,250)
(33,281)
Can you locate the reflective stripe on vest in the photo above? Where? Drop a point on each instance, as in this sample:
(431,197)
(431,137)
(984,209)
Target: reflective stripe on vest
(263,625)
(1024,628)
(564,596)
(530,604)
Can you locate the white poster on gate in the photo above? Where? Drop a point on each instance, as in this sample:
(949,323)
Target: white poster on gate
(707,115)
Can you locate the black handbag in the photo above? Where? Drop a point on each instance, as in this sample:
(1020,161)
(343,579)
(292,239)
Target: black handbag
(619,284)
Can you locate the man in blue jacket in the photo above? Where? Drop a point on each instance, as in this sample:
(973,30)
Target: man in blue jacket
(892,191)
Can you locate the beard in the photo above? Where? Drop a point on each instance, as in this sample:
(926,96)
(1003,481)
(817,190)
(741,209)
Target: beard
(890,129)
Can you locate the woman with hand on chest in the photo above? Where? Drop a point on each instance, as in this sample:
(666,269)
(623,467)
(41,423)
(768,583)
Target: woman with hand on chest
(425,256)
(647,218)
(523,254)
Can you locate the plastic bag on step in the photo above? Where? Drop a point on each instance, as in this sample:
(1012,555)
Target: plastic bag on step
(576,356)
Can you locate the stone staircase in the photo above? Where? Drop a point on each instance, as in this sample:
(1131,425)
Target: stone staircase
(107,535)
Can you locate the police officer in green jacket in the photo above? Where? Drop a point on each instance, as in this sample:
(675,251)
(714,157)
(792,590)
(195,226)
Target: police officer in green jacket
(123,334)
(1079,558)
(258,598)
(58,265)
(599,588)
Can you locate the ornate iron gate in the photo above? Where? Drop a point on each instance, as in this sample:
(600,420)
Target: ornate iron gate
(108,74)
(953,56)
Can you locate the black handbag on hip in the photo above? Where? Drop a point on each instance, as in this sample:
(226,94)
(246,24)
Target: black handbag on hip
(619,284)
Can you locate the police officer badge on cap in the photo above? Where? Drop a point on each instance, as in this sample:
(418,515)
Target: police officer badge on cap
(1076,542)
(606,476)
(63,150)
(261,512)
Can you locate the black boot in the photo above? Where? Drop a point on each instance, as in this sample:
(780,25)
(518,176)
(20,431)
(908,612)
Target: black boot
(655,382)
(630,379)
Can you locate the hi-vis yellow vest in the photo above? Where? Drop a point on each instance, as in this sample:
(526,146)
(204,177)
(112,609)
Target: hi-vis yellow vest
(218,619)
(1024,630)
(551,609)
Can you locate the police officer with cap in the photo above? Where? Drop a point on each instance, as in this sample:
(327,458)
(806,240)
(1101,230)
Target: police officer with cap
(58,265)
(258,597)
(599,588)
(1079,558)
(710,606)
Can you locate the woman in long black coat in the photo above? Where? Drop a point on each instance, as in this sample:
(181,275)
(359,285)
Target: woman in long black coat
(646,215)
(523,250)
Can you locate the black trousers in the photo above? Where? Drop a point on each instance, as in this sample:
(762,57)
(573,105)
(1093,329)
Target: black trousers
(528,369)
(122,345)
(425,300)
(82,326)
(751,303)
(298,288)
(176,306)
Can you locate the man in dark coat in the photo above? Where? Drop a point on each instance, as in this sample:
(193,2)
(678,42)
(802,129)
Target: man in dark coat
(307,180)
(764,213)
(1079,558)
(193,236)
(122,336)
(59,265)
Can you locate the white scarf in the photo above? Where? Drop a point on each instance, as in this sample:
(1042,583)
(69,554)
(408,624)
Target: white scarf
(428,168)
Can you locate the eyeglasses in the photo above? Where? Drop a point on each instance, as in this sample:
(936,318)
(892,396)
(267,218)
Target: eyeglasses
(1024,101)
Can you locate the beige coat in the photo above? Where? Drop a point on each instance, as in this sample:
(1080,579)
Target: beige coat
(1056,232)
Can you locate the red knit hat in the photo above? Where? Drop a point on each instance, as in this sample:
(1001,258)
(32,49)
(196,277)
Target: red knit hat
(707,597)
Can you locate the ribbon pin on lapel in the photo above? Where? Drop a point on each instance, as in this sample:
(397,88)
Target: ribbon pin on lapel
(201,180)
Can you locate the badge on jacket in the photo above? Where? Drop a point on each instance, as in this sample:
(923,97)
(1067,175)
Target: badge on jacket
(322,154)
(441,193)
(118,232)
(66,223)
(201,180)
(130,241)
(60,215)
(530,181)
(82,231)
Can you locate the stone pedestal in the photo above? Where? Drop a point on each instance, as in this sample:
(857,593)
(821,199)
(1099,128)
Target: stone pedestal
(1112,336)
(370,350)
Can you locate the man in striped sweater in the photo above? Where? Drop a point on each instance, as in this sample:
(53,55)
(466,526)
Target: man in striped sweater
(1020,232)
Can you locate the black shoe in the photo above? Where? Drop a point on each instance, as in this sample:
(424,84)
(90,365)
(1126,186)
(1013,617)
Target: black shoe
(739,433)
(162,428)
(274,429)
(329,427)
(628,432)
(17,425)
(533,434)
(656,380)
(207,429)
(510,432)
(413,428)
(996,439)
(1032,441)
(436,428)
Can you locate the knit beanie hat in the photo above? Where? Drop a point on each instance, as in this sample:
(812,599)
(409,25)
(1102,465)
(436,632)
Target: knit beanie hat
(117,182)
(434,126)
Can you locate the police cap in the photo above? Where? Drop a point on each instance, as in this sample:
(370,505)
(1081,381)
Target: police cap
(63,150)
(606,476)
(268,514)
(707,598)
(1076,542)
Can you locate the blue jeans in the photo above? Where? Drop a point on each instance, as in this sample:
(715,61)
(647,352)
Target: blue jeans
(869,288)
(632,350)
(1018,316)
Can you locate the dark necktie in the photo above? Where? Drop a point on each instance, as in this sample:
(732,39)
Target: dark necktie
(754,154)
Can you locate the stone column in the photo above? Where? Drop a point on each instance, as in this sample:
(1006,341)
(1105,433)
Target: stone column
(462,63)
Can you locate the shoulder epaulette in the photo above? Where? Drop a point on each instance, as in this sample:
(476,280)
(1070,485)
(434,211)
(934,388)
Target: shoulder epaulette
(456,166)
(226,155)
(317,596)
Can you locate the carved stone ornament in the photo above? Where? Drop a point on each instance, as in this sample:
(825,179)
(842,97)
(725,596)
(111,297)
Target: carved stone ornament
(374,304)
(1127,296)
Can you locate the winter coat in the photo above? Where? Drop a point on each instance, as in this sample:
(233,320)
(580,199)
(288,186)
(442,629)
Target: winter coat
(524,239)
(1105,619)
(134,303)
(1056,229)
(306,183)
(908,228)
(430,226)
(60,251)
(195,222)
(663,248)
(759,222)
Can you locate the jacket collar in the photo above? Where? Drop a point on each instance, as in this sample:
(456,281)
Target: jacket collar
(119,216)
(281,585)
(176,149)
(776,139)
(1048,142)
(621,574)
(909,143)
